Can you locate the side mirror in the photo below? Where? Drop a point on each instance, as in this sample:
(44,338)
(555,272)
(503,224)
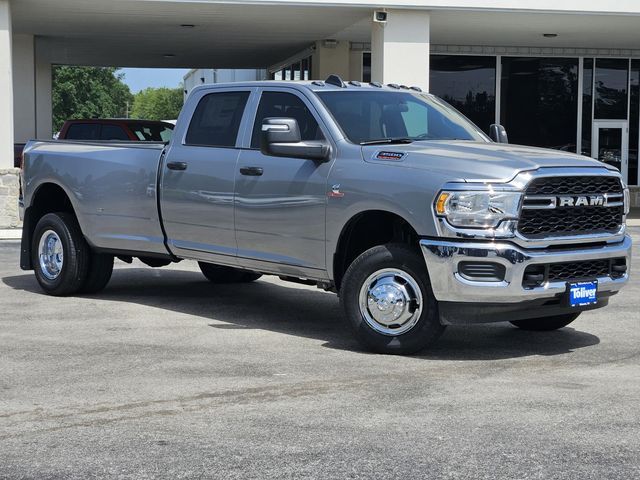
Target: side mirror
(498,134)
(280,137)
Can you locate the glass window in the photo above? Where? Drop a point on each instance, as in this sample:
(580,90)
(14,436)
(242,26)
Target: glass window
(282,104)
(634,123)
(468,83)
(376,115)
(152,132)
(295,71)
(113,132)
(587,106)
(216,121)
(611,84)
(366,67)
(539,101)
(83,131)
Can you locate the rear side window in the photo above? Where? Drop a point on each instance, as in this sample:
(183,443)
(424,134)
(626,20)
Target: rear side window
(282,104)
(113,132)
(216,121)
(83,131)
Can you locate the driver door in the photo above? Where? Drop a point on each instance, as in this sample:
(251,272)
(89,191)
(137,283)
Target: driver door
(280,202)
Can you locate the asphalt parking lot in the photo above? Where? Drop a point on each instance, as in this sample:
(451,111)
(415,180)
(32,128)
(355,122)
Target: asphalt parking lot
(164,375)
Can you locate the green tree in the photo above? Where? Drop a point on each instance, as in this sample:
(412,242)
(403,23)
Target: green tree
(88,92)
(157,103)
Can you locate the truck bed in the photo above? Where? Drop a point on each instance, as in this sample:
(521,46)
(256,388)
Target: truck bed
(112,187)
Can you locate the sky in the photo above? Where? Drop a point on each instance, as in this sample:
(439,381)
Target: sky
(141,78)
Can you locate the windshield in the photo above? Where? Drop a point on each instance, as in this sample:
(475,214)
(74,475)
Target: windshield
(152,132)
(381,116)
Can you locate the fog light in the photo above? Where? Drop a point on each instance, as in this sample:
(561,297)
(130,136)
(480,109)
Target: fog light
(482,271)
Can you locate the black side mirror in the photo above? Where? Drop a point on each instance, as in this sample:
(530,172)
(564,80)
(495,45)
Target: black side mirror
(498,134)
(280,137)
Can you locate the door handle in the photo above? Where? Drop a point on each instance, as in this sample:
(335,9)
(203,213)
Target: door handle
(177,165)
(251,171)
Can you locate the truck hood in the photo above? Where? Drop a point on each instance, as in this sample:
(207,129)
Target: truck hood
(474,161)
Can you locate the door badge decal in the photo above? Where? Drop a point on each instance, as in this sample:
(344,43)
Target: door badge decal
(335,191)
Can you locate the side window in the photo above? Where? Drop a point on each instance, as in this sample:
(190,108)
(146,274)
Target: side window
(282,104)
(113,132)
(83,131)
(216,120)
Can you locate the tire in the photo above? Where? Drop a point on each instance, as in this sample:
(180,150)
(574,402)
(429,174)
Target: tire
(546,324)
(100,270)
(65,264)
(222,274)
(393,269)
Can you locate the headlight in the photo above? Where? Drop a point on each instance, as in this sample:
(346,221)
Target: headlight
(477,209)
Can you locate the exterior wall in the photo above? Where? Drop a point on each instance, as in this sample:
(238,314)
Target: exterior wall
(9,191)
(331,59)
(44,112)
(355,65)
(24,98)
(6,88)
(400,49)
(9,183)
(199,76)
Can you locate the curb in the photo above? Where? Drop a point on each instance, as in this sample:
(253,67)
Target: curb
(11,234)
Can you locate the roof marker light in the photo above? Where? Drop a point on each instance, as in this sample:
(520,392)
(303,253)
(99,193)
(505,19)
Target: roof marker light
(335,80)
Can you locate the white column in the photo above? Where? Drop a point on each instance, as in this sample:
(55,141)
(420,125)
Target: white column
(44,114)
(400,49)
(6,89)
(331,57)
(24,89)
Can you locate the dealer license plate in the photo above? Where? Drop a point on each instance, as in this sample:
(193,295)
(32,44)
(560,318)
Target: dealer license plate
(583,293)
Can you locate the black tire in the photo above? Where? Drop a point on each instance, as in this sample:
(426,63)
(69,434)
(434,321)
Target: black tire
(546,324)
(426,330)
(75,254)
(222,274)
(100,270)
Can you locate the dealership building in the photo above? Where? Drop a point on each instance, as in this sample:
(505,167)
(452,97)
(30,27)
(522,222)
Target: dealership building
(562,74)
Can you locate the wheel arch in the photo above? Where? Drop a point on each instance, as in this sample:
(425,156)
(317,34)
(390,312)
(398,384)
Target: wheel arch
(367,229)
(48,197)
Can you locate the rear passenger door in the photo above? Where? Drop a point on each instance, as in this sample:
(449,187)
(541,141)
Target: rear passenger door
(280,212)
(198,175)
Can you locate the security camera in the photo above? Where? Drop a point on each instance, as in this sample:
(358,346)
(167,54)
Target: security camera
(380,16)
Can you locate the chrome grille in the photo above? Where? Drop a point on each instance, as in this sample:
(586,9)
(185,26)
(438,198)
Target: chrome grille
(591,185)
(541,217)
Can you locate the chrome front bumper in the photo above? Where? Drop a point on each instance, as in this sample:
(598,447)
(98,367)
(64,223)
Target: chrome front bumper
(442,258)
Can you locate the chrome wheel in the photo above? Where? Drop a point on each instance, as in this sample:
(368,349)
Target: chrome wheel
(391,301)
(50,254)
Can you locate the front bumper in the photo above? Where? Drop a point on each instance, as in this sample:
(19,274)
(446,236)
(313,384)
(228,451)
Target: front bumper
(442,259)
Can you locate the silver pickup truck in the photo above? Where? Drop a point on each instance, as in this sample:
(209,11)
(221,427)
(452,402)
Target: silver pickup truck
(383,194)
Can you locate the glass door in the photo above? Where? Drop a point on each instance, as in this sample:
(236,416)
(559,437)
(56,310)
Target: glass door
(610,144)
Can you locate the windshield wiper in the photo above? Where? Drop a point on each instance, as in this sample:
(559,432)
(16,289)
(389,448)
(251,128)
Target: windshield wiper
(384,141)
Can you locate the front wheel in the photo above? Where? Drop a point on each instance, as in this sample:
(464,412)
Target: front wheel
(388,300)
(546,324)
